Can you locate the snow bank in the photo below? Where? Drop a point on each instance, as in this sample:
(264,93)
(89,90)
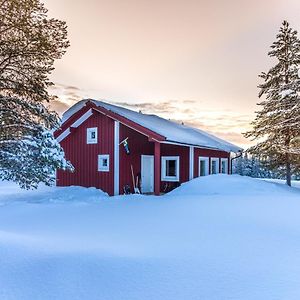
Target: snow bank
(195,243)
(235,185)
(295,183)
(45,194)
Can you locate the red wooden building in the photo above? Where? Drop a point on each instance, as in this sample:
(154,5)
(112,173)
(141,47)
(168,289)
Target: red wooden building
(162,153)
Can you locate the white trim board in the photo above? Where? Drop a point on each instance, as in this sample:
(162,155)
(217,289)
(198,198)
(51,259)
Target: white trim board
(76,124)
(63,135)
(83,118)
(191,163)
(190,145)
(116,157)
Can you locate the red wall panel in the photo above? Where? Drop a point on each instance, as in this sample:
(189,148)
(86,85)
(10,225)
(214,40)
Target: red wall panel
(208,153)
(84,157)
(138,145)
(183,153)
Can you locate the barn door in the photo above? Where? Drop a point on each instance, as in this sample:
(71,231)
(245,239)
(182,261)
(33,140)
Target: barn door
(147,174)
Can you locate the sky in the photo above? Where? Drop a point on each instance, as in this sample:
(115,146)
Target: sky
(193,61)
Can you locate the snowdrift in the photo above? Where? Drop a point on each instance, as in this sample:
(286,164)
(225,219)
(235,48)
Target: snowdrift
(222,184)
(11,192)
(218,237)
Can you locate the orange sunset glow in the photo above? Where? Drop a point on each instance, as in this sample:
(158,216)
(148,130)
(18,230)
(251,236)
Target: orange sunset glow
(192,61)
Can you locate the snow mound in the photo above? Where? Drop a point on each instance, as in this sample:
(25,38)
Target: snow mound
(222,184)
(241,241)
(45,194)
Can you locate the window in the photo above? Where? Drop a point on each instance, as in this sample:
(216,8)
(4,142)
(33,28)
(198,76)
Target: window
(92,135)
(170,168)
(103,163)
(224,165)
(214,165)
(203,166)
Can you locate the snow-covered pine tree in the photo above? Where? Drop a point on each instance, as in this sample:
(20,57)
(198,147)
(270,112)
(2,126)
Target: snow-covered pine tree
(277,124)
(29,44)
(247,165)
(237,166)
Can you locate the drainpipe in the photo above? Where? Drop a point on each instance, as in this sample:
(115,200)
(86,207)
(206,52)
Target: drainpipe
(239,154)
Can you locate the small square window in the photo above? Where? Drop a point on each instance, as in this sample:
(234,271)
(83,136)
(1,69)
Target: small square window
(92,135)
(170,168)
(103,163)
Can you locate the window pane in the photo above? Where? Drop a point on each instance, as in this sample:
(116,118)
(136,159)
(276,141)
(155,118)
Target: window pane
(202,168)
(214,167)
(223,167)
(104,162)
(170,167)
(93,134)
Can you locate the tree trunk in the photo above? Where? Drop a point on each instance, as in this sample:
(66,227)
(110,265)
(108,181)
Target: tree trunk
(288,171)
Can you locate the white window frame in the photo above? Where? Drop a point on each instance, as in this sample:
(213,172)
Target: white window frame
(89,140)
(164,159)
(218,165)
(226,165)
(206,159)
(102,168)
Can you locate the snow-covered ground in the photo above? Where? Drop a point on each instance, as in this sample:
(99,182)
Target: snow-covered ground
(217,237)
(295,183)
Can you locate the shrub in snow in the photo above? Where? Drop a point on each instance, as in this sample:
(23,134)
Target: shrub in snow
(32,159)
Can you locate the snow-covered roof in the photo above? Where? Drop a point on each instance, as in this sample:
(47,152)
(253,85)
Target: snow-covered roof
(172,131)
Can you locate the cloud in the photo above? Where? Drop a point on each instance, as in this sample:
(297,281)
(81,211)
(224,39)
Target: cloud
(67,96)
(58,106)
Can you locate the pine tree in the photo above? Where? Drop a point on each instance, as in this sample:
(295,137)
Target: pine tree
(277,124)
(29,44)
(237,166)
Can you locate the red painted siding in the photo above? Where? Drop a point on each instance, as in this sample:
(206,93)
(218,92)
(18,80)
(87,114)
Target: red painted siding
(72,119)
(208,153)
(183,153)
(84,157)
(138,145)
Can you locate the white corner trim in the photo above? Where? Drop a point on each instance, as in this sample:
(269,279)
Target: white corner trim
(77,123)
(191,166)
(83,118)
(63,135)
(116,157)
